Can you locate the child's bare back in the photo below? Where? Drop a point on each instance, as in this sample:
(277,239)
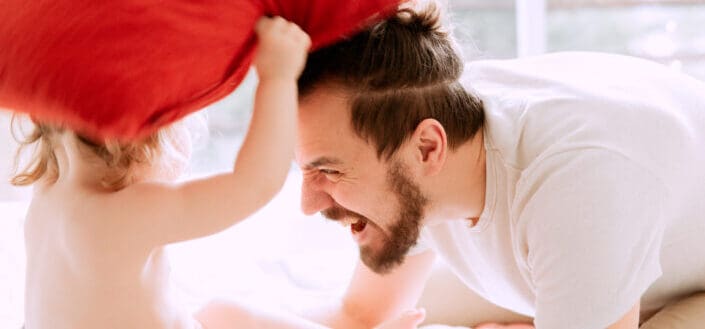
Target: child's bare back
(88,265)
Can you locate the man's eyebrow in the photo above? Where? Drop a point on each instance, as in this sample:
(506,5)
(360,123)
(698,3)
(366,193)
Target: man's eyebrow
(322,161)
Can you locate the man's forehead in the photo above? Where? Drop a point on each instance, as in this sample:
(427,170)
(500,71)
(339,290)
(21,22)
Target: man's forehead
(326,136)
(335,148)
(317,148)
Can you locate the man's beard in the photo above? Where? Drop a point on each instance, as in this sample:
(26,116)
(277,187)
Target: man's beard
(404,231)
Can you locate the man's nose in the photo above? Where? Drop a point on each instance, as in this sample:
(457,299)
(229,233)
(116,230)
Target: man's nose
(314,200)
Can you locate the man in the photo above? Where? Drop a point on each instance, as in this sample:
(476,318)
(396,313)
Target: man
(567,187)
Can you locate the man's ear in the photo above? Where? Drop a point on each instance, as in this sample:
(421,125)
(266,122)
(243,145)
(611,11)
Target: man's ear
(430,146)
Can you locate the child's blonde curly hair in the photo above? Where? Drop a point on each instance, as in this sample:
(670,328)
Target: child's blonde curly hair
(120,159)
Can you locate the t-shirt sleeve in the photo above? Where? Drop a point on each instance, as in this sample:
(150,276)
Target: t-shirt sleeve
(591,223)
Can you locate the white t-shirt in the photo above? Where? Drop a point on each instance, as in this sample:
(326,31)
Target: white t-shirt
(595,189)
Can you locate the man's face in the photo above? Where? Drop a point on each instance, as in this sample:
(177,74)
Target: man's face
(346,182)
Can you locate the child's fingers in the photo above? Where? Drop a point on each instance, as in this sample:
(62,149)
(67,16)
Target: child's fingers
(293,31)
(278,25)
(265,24)
(303,37)
(262,24)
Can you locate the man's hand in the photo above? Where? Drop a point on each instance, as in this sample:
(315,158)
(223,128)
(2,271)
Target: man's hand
(407,320)
(375,301)
(505,326)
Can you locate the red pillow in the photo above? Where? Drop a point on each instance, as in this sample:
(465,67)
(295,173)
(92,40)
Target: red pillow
(123,68)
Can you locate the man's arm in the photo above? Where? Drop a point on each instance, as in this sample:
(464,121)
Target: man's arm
(629,321)
(372,298)
(593,238)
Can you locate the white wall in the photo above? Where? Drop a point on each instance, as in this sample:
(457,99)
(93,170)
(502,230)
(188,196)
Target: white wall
(7,155)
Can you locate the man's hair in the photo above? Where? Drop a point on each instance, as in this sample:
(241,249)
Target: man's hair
(119,159)
(396,74)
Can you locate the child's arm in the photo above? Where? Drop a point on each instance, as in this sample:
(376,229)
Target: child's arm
(169,213)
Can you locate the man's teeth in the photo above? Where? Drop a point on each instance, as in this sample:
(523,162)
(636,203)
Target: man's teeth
(359,226)
(349,221)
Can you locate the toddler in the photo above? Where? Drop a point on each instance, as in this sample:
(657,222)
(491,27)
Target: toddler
(102,211)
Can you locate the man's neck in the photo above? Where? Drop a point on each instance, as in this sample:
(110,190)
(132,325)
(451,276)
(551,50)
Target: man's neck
(458,191)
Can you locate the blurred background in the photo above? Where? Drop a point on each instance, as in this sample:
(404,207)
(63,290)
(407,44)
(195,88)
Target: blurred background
(282,256)
(670,32)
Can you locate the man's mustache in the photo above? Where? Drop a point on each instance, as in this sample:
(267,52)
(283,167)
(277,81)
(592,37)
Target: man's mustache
(338,213)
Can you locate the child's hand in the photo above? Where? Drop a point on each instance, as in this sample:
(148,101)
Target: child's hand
(407,320)
(282,49)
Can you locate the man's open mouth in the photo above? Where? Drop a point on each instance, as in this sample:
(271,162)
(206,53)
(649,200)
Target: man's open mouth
(357,224)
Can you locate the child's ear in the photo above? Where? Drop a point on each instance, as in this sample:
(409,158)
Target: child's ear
(430,146)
